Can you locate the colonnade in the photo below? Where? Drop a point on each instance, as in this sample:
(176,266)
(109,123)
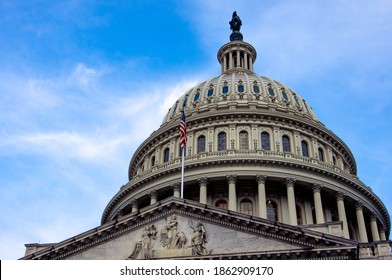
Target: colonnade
(376,233)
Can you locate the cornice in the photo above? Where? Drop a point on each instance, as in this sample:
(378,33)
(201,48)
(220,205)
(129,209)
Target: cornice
(283,232)
(247,158)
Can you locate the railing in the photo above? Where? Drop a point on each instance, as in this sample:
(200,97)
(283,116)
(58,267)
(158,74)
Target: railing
(253,154)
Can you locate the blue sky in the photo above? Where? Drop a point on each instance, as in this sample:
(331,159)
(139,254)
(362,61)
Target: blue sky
(83,83)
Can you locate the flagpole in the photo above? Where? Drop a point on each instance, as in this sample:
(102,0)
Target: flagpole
(182,171)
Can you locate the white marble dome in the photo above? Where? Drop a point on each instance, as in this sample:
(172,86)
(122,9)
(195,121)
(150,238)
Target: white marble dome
(254,147)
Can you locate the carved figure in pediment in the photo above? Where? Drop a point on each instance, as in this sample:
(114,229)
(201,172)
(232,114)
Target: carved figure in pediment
(198,239)
(147,242)
(171,236)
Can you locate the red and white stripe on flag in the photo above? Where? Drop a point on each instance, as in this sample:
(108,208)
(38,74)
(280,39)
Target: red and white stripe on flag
(183,133)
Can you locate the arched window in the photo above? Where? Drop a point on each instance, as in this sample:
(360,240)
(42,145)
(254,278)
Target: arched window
(305,151)
(321,154)
(241,88)
(244,140)
(210,92)
(201,144)
(166,155)
(272,210)
(221,204)
(286,144)
(334,160)
(271,91)
(284,95)
(246,207)
(256,89)
(265,141)
(222,143)
(225,89)
(153,161)
(197,96)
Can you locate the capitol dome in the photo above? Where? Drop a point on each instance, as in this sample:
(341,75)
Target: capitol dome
(257,162)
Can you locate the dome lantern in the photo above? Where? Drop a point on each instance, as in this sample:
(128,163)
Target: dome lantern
(236,55)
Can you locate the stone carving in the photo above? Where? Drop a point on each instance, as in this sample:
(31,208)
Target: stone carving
(146,243)
(171,236)
(198,239)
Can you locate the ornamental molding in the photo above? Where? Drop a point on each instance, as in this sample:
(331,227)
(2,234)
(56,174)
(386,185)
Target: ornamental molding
(195,211)
(316,187)
(202,181)
(253,159)
(297,123)
(232,178)
(261,179)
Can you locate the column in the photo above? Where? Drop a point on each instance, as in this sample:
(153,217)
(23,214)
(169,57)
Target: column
(383,237)
(374,227)
(231,179)
(231,60)
(135,205)
(342,213)
(224,63)
(250,64)
(261,179)
(361,223)
(318,204)
(291,201)
(238,59)
(245,60)
(203,190)
(153,197)
(176,189)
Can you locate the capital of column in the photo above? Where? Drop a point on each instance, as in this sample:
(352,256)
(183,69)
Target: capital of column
(202,181)
(134,203)
(340,196)
(316,187)
(232,178)
(176,186)
(359,205)
(261,178)
(290,182)
(153,194)
(373,217)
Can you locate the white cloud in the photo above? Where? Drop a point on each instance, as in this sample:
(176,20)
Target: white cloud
(69,145)
(84,76)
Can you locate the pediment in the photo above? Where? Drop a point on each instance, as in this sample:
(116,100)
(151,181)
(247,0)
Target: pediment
(181,229)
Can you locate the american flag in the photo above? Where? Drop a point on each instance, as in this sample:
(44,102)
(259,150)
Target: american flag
(183,134)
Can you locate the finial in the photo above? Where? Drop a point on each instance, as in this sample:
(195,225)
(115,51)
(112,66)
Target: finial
(235,25)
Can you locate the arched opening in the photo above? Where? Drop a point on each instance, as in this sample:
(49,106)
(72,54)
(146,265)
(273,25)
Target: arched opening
(166,155)
(244,140)
(286,144)
(265,141)
(272,210)
(201,144)
(321,154)
(221,204)
(222,141)
(246,207)
(305,150)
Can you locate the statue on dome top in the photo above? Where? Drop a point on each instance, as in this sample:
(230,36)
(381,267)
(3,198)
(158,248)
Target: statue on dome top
(235,23)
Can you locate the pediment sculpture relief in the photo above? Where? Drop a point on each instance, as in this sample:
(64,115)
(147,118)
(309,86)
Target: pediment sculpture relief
(171,238)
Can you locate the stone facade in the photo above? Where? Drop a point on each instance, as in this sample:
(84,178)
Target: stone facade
(264,178)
